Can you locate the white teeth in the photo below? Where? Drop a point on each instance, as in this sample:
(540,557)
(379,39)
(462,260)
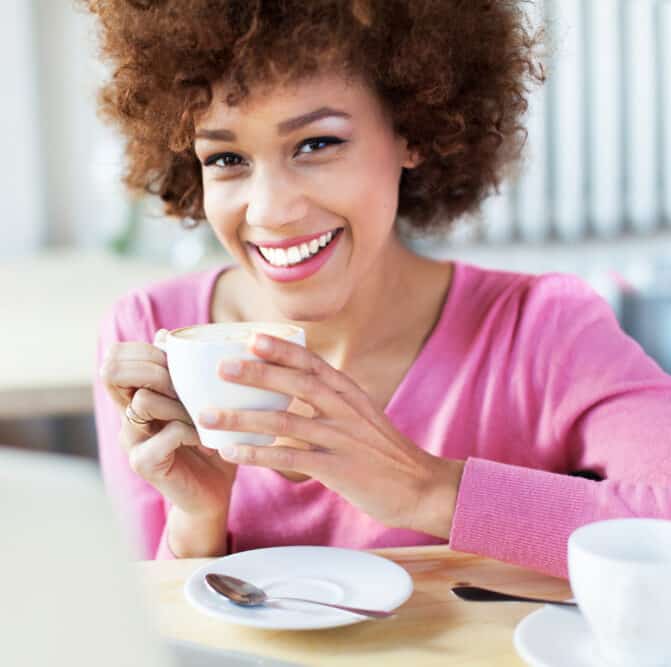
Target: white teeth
(280,257)
(295,254)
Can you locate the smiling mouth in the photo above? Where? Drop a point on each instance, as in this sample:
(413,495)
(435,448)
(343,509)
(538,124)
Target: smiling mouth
(298,254)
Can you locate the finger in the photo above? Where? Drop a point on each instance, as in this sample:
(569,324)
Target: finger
(280,424)
(305,461)
(120,375)
(305,386)
(149,405)
(134,351)
(121,397)
(285,353)
(148,458)
(132,433)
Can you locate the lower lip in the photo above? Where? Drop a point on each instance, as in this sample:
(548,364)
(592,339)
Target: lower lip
(286,274)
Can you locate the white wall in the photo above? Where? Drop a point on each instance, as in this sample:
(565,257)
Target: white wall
(85,200)
(22,165)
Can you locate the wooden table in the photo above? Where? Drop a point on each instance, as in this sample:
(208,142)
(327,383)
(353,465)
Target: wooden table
(432,628)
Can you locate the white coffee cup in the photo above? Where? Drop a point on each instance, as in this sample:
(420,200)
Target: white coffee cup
(620,575)
(194,353)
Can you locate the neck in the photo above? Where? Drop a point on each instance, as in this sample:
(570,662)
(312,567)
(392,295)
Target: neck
(385,305)
(375,316)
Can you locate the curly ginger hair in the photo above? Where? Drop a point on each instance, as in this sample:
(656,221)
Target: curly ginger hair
(453,74)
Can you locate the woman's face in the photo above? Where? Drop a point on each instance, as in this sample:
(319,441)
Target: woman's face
(301,187)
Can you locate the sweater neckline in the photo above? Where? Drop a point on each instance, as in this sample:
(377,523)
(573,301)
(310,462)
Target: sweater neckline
(421,362)
(424,359)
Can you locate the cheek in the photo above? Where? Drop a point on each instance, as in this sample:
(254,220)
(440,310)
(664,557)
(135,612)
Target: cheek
(218,210)
(211,202)
(372,193)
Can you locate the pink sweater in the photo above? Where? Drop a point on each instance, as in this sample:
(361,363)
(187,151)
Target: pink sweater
(527,378)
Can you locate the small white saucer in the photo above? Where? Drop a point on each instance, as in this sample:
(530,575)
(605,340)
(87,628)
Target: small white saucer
(555,637)
(343,576)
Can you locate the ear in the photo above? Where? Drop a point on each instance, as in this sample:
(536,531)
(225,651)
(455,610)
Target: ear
(410,157)
(413,160)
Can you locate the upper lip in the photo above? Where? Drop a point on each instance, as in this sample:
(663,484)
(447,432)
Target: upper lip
(296,240)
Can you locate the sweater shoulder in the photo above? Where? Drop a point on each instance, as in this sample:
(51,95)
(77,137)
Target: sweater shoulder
(530,294)
(166,304)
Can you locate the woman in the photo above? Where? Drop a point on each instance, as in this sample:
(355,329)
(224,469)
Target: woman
(436,401)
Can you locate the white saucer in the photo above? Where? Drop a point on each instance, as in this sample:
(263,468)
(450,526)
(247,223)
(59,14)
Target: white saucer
(344,576)
(555,637)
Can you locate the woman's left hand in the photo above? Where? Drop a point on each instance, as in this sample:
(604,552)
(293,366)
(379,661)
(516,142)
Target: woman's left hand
(349,445)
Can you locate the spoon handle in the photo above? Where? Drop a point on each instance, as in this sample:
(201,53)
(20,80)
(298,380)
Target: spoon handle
(477,594)
(371,613)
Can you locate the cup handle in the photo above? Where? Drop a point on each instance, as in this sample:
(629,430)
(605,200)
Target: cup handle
(160,339)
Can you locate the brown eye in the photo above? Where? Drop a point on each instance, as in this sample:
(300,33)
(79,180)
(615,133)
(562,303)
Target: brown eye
(224,160)
(316,144)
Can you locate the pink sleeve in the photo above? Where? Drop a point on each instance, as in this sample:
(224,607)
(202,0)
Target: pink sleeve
(141,507)
(604,407)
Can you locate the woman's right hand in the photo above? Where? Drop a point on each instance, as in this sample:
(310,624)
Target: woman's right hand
(165,450)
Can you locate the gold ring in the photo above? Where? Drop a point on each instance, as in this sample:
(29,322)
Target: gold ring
(134,418)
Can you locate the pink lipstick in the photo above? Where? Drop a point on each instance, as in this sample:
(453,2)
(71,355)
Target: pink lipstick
(299,271)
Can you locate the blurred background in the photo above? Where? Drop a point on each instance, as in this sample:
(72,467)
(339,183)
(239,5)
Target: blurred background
(592,197)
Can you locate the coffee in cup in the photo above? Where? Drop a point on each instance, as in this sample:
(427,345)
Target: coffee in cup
(194,354)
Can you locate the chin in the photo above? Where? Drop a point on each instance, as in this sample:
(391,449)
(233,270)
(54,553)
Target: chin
(305,317)
(300,310)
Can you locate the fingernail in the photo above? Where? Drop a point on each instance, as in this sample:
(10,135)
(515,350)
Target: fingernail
(208,417)
(262,343)
(231,367)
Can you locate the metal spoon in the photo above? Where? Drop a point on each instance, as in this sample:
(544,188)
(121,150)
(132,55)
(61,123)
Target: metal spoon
(476,594)
(247,595)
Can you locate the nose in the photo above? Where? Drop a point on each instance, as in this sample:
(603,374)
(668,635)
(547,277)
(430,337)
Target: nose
(274,200)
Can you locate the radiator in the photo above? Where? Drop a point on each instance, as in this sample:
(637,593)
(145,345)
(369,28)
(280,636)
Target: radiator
(597,163)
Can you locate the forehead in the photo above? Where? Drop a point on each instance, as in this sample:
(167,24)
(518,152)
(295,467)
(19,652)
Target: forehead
(279,101)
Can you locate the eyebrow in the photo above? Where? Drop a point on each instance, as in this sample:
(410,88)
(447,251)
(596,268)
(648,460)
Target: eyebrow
(283,128)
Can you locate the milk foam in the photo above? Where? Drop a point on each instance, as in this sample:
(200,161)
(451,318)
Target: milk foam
(235,331)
